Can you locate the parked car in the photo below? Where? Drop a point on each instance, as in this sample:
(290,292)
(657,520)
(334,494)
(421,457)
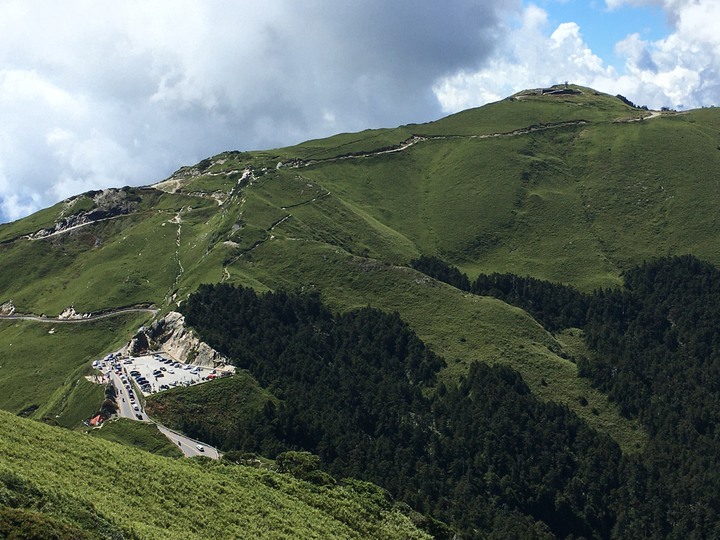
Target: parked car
(200,447)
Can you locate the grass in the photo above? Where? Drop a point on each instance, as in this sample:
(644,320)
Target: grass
(576,204)
(120,262)
(31,224)
(83,400)
(349,143)
(137,435)
(223,403)
(41,371)
(103,487)
(463,328)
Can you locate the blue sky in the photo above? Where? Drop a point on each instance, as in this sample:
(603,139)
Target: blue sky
(96,94)
(602,27)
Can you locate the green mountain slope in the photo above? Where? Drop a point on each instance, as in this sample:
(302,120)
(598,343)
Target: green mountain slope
(573,188)
(98,489)
(44,364)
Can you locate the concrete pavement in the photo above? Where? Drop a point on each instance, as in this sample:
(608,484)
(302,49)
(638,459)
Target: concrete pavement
(188,446)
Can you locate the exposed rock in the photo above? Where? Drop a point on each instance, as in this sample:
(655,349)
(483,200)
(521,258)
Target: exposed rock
(8,308)
(178,179)
(70,313)
(170,335)
(107,203)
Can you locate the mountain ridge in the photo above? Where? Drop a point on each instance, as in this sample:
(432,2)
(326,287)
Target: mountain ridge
(573,187)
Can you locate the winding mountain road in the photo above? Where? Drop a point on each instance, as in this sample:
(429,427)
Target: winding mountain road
(89,318)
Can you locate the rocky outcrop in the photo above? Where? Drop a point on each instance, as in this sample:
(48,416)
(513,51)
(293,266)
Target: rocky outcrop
(8,308)
(170,335)
(106,204)
(70,313)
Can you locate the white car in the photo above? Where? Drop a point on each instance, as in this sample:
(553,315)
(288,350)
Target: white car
(200,447)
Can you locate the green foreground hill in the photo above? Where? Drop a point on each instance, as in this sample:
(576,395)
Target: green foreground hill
(89,488)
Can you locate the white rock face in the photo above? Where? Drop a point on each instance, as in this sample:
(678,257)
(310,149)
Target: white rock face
(170,335)
(8,308)
(70,313)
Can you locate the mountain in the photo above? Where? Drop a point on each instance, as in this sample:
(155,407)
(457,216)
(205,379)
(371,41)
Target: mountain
(566,185)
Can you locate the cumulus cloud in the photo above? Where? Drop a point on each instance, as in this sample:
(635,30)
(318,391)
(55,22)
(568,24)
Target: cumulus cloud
(99,94)
(531,57)
(107,94)
(681,70)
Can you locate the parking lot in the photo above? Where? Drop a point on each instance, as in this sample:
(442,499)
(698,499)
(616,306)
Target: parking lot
(157,372)
(154,373)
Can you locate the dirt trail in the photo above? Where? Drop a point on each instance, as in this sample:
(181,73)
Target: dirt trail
(415,139)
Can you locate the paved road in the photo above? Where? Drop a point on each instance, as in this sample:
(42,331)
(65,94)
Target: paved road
(125,408)
(55,320)
(188,446)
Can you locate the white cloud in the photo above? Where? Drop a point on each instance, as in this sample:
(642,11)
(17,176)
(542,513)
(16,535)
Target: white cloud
(685,66)
(530,58)
(681,70)
(97,94)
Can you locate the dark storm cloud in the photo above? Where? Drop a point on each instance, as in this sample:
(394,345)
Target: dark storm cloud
(96,94)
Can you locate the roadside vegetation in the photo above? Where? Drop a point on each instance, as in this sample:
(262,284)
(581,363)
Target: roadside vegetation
(137,435)
(44,365)
(70,482)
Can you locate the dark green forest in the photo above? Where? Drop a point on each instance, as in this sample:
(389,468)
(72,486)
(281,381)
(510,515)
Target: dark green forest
(484,457)
(359,390)
(658,345)
(555,306)
(659,341)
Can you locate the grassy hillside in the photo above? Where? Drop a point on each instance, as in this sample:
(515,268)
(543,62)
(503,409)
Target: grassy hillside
(43,365)
(137,435)
(576,204)
(461,327)
(105,490)
(549,186)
